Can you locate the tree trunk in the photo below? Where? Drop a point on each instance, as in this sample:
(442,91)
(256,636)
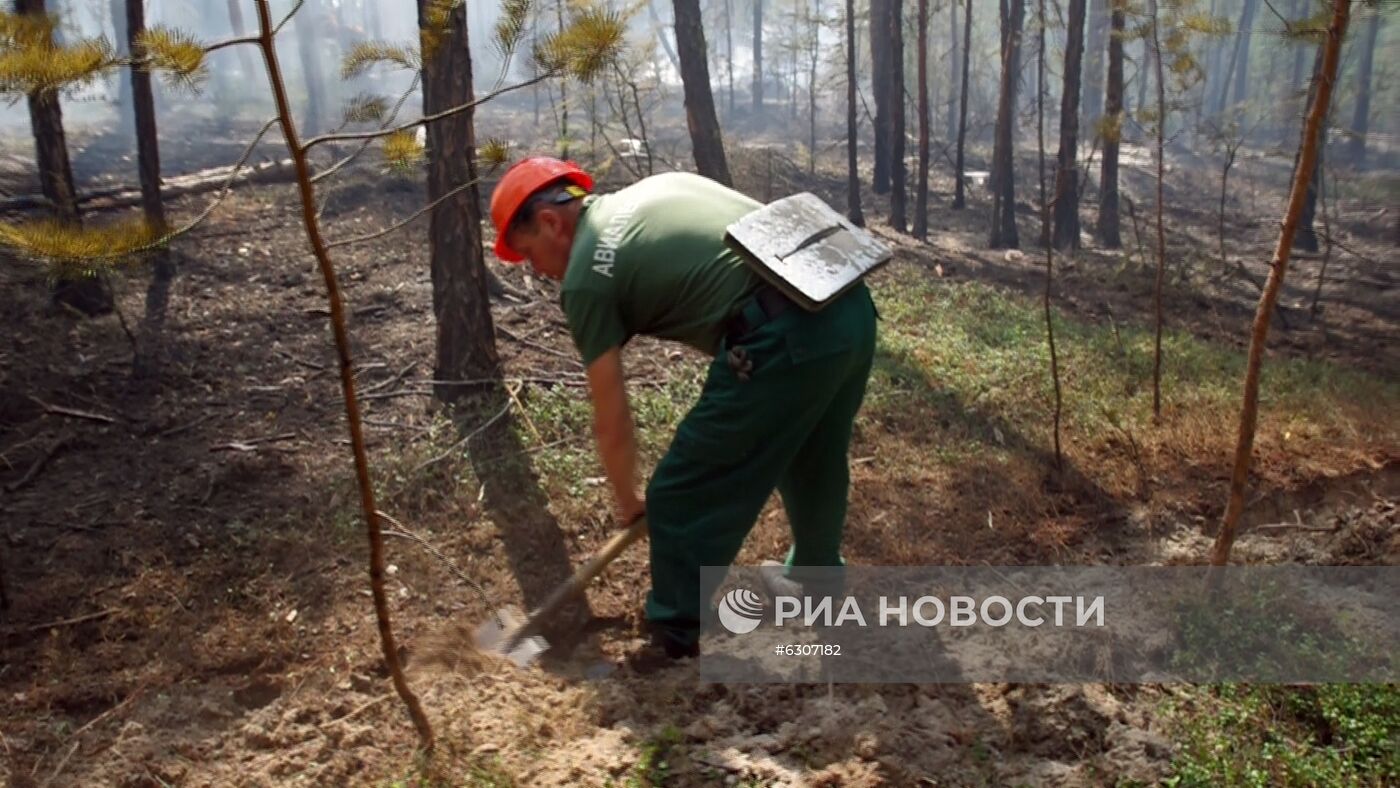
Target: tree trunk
(954,63)
(757,57)
(1238,70)
(1066,232)
(1308,152)
(374,27)
(921,199)
(1108,225)
(660,28)
(895,97)
(346,369)
(126,117)
(87,294)
(729,51)
(466,338)
(245,58)
(1306,237)
(853,211)
(705,137)
(1161,207)
(1045,230)
(1003,230)
(960,187)
(1144,76)
(815,53)
(1093,92)
(1361,117)
(306,22)
(148,347)
(880,85)
(564,90)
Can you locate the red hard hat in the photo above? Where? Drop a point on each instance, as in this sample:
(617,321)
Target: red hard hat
(522,180)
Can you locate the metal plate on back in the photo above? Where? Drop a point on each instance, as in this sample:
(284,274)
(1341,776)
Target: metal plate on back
(806,249)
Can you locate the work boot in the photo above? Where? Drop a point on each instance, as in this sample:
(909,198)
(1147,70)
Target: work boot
(662,650)
(775,579)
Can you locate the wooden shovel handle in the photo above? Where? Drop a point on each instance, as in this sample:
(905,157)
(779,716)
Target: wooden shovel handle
(585,574)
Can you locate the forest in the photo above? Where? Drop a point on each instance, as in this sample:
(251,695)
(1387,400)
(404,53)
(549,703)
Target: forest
(278,429)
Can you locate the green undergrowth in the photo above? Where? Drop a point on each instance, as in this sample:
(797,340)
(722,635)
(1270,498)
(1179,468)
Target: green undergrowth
(1270,735)
(971,352)
(961,374)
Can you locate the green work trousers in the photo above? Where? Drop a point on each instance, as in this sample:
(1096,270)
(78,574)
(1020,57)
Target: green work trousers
(788,426)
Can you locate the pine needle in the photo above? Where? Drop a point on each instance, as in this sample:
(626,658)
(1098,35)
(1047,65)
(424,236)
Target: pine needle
(176,54)
(37,67)
(78,249)
(493,153)
(366,108)
(403,151)
(592,41)
(366,54)
(510,27)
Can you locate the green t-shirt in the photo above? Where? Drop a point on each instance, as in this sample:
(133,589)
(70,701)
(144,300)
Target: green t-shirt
(651,259)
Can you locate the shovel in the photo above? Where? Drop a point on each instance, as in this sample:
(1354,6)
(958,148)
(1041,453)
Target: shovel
(510,634)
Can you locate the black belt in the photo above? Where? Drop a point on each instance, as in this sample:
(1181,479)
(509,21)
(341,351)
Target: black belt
(763,306)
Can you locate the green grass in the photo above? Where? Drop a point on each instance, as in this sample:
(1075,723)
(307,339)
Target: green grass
(1261,735)
(967,364)
(653,768)
(984,351)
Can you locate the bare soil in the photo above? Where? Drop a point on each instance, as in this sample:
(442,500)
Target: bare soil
(189,604)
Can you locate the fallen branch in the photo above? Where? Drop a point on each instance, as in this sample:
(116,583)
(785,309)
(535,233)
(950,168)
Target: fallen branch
(403,532)
(208,180)
(459,444)
(59,410)
(537,346)
(364,707)
(65,622)
(39,463)
(252,443)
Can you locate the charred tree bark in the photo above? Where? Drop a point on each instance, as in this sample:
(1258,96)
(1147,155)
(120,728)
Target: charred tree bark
(814,52)
(1308,151)
(853,211)
(388,646)
(898,171)
(960,188)
(1045,230)
(1361,117)
(1234,88)
(1093,88)
(86,294)
(1306,237)
(921,198)
(880,86)
(729,51)
(1108,223)
(758,57)
(1144,75)
(245,58)
(148,346)
(126,116)
(1003,231)
(1066,232)
(1161,208)
(705,138)
(660,29)
(954,62)
(564,89)
(309,50)
(466,337)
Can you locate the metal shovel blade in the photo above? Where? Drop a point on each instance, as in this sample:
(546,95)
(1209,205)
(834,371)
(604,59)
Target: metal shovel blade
(501,635)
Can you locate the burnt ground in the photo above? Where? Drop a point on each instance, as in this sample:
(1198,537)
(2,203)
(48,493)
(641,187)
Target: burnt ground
(186,568)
